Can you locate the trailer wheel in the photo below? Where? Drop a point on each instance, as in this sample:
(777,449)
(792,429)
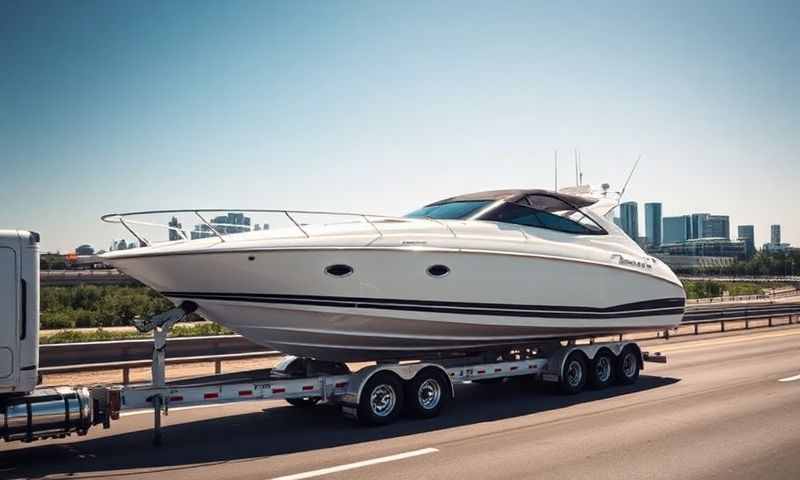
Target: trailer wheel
(603,366)
(627,366)
(573,377)
(304,402)
(427,393)
(381,399)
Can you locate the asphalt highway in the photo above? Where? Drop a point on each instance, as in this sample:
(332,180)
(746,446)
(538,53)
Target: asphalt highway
(725,406)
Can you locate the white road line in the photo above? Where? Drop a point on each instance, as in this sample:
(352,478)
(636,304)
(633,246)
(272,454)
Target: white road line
(351,466)
(790,379)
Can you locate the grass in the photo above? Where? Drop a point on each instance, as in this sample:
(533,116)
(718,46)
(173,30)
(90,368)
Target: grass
(711,288)
(100,335)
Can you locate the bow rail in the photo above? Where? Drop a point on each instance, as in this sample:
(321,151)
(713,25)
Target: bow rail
(216,229)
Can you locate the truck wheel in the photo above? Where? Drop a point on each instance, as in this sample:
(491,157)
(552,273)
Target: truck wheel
(627,367)
(427,393)
(602,370)
(304,402)
(381,399)
(573,377)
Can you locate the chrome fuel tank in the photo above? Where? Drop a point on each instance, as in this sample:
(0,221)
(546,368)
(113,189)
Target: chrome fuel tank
(46,413)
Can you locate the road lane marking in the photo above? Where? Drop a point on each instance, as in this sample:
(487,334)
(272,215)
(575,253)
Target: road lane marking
(351,466)
(722,341)
(790,379)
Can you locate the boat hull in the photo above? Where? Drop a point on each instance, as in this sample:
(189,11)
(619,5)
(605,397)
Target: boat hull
(390,307)
(364,334)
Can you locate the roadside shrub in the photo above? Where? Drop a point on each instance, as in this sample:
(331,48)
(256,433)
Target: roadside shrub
(96,306)
(199,330)
(99,335)
(56,320)
(86,318)
(709,288)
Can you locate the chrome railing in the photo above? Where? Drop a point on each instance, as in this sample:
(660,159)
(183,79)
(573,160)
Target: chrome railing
(130,222)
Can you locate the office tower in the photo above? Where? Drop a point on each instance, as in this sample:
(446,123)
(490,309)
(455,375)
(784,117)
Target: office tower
(652,223)
(677,229)
(629,219)
(746,234)
(775,234)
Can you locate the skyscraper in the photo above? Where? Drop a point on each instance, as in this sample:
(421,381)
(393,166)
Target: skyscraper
(677,229)
(705,225)
(173,234)
(717,226)
(746,234)
(231,223)
(698,224)
(652,223)
(775,234)
(629,219)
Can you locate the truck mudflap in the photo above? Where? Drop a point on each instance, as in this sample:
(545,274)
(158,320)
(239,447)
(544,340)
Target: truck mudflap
(656,357)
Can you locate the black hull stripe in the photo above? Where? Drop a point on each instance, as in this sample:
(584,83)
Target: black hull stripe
(443,307)
(645,305)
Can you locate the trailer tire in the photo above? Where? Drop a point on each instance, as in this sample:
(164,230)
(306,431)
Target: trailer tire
(627,366)
(381,399)
(427,393)
(304,402)
(574,373)
(602,371)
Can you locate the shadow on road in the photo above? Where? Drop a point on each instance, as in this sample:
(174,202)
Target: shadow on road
(282,430)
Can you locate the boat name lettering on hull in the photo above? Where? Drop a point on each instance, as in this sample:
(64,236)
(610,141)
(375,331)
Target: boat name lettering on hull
(627,262)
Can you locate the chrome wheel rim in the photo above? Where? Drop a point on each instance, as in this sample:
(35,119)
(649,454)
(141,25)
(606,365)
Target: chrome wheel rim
(382,400)
(603,369)
(429,394)
(574,373)
(629,365)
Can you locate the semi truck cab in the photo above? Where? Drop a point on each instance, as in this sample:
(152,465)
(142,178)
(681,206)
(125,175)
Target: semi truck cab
(19,311)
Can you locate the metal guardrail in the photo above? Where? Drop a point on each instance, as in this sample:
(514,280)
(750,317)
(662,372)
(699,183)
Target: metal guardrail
(126,366)
(787,292)
(56,358)
(743,278)
(708,314)
(64,354)
(728,299)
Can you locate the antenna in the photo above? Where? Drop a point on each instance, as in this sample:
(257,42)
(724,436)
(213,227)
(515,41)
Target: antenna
(580,170)
(555,161)
(622,192)
(576,167)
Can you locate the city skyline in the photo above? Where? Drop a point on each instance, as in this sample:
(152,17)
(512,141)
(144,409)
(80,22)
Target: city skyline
(115,107)
(692,229)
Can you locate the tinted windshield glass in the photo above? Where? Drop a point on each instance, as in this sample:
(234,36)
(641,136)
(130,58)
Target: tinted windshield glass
(449,211)
(558,219)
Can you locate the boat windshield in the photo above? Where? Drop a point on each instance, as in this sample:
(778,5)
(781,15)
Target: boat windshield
(546,212)
(449,211)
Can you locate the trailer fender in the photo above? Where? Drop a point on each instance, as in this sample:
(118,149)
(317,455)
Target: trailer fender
(555,364)
(405,372)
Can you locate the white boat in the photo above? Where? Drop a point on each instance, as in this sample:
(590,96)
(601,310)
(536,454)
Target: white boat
(486,271)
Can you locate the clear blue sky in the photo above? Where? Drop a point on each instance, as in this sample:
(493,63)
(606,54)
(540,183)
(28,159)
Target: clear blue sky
(383,106)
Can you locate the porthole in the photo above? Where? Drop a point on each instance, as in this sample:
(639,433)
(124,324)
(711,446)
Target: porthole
(438,270)
(339,270)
